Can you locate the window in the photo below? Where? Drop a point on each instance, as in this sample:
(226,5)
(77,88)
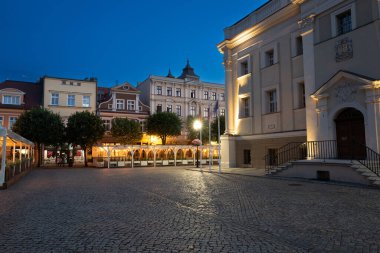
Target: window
(301,96)
(159,90)
(120,104)
(130,105)
(222,112)
(71,100)
(272,101)
(107,124)
(140,108)
(11,100)
(192,94)
(344,22)
(205,95)
(192,110)
(205,112)
(244,107)
(178,92)
(86,101)
(109,106)
(269,58)
(221,96)
(12,120)
(178,110)
(169,91)
(299,45)
(54,98)
(159,108)
(247,156)
(143,126)
(169,108)
(213,96)
(1,120)
(243,68)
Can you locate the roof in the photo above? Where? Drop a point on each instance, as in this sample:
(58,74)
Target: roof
(33,93)
(188,71)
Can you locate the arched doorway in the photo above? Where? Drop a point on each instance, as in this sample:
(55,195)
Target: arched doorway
(350,134)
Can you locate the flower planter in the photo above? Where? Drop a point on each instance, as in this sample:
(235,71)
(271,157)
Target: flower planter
(99,164)
(144,163)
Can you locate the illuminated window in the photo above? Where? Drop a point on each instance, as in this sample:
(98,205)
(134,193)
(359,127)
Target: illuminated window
(192,110)
(107,124)
(222,112)
(206,112)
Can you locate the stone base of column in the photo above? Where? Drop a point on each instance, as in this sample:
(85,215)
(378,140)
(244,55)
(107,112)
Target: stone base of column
(228,153)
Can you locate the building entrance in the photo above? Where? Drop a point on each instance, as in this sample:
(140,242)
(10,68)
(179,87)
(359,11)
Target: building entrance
(350,134)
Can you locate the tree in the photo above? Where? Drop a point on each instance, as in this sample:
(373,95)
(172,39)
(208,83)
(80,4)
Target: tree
(84,129)
(214,128)
(40,126)
(164,124)
(126,131)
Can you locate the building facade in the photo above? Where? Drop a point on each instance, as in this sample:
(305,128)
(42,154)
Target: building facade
(68,96)
(121,101)
(17,97)
(185,95)
(300,70)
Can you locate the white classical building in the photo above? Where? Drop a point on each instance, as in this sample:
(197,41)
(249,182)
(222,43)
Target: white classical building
(185,95)
(302,70)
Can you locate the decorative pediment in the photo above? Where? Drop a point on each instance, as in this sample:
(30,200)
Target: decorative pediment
(125,87)
(344,86)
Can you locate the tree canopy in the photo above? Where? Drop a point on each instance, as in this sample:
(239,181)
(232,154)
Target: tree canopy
(126,131)
(84,129)
(40,126)
(164,124)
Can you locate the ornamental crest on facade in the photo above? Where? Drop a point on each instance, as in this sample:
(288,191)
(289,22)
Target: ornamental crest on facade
(346,92)
(343,50)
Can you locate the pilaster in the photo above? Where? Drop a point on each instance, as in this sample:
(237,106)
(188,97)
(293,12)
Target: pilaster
(228,151)
(229,93)
(373,115)
(307,32)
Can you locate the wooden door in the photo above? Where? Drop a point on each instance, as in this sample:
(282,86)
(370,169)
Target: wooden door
(350,134)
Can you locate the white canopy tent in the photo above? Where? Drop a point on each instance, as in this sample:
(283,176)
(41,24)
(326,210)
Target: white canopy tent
(10,142)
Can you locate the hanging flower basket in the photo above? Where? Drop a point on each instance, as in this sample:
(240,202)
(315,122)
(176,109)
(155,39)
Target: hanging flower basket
(196,142)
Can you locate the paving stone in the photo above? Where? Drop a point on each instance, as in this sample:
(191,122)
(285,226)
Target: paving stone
(178,210)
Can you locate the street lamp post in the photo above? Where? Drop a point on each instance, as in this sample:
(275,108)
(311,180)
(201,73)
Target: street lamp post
(197,125)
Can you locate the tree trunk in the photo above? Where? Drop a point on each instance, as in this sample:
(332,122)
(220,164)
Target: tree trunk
(163,139)
(85,156)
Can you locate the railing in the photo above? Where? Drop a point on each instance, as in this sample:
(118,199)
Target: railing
(328,149)
(371,161)
(290,152)
(16,168)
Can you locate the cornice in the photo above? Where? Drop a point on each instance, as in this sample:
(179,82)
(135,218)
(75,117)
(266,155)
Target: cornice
(276,18)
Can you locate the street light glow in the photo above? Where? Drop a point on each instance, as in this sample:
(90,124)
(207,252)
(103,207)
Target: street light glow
(197,125)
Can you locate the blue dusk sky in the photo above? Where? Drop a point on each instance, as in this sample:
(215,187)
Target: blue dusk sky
(114,40)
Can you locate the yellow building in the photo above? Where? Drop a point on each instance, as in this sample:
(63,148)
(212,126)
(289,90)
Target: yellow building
(67,96)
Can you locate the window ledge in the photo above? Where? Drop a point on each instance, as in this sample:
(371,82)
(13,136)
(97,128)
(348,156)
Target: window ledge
(244,76)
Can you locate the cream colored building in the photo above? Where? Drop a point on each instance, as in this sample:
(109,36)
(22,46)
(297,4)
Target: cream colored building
(300,70)
(66,96)
(185,95)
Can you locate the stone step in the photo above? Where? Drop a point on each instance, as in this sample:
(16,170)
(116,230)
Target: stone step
(369,174)
(377,183)
(375,178)
(361,169)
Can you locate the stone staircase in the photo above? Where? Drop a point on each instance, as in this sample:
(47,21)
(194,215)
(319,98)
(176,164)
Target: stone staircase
(360,169)
(364,171)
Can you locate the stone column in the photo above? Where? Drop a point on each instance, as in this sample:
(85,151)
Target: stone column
(307,32)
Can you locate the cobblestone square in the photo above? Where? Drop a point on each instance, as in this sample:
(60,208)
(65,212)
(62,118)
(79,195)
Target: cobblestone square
(177,210)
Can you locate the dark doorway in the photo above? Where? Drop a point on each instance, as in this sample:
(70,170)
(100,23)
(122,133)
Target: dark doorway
(247,156)
(350,134)
(272,156)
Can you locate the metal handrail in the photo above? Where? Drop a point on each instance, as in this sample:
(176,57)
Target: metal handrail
(327,149)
